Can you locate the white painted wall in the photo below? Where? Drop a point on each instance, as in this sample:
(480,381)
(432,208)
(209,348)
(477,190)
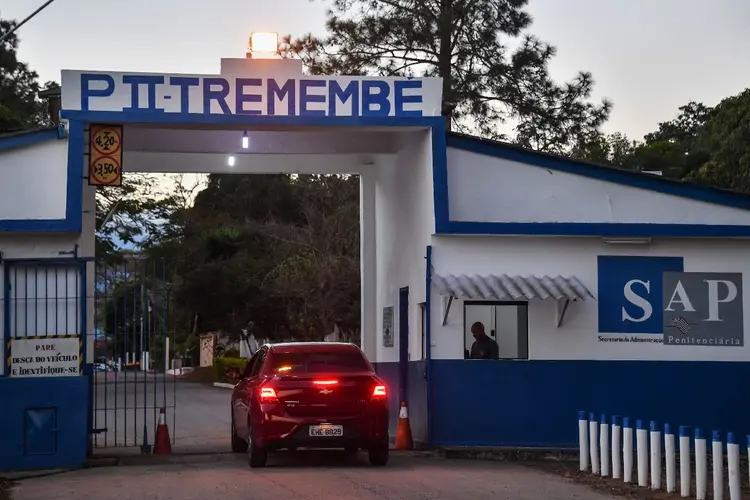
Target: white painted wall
(577,337)
(405,221)
(487,189)
(33,181)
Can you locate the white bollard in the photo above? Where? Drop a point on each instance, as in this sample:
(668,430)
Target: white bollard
(717,457)
(733,457)
(627,450)
(604,444)
(593,441)
(669,456)
(641,446)
(684,461)
(616,447)
(655,446)
(701,471)
(583,441)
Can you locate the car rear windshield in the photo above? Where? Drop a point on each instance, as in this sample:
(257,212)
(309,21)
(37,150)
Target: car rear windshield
(312,362)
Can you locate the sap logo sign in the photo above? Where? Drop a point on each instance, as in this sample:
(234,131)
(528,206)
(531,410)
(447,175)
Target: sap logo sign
(703,309)
(631,290)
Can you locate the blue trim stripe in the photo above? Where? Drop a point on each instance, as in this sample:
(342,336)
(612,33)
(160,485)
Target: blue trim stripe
(667,429)
(639,425)
(29,138)
(716,436)
(633,179)
(582,415)
(592,417)
(731,438)
(684,431)
(653,426)
(626,422)
(615,420)
(699,434)
(603,419)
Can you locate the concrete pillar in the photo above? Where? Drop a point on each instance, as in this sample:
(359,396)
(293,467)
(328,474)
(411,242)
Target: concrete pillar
(87,246)
(166,354)
(368,268)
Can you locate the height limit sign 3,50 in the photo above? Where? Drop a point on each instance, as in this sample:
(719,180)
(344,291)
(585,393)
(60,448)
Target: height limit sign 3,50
(105,155)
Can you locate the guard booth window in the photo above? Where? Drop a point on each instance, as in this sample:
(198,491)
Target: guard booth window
(507,323)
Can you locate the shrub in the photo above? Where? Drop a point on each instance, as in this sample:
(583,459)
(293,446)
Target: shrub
(232,353)
(222,364)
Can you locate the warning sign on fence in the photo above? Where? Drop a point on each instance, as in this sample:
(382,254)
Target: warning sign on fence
(53,357)
(105,155)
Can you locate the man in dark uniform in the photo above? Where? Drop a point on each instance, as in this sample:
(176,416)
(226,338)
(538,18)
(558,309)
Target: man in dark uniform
(483,346)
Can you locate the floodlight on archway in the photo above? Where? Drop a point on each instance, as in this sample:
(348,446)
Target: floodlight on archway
(263,42)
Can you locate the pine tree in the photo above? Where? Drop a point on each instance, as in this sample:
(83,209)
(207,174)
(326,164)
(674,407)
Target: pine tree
(20,106)
(486,83)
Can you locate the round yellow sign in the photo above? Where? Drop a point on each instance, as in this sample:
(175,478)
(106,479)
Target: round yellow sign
(105,170)
(107,141)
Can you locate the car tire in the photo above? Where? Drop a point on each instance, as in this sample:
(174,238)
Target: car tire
(239,445)
(378,454)
(256,456)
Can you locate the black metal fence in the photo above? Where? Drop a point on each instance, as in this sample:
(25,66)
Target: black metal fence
(134,349)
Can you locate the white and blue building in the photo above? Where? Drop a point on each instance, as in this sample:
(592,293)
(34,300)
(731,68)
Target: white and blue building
(580,272)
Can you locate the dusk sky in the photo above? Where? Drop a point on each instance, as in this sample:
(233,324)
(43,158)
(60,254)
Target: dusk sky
(648,56)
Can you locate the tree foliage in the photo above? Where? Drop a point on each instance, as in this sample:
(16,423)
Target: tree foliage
(20,105)
(493,70)
(272,254)
(702,144)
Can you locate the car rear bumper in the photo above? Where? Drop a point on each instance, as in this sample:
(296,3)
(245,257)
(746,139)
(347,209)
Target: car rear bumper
(361,432)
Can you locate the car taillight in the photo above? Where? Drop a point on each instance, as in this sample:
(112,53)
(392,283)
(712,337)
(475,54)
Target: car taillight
(325,382)
(379,391)
(268,395)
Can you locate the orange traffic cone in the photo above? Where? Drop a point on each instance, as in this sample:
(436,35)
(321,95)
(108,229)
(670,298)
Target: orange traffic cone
(162,443)
(403,435)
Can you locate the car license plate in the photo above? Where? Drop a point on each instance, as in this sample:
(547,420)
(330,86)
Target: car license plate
(326,430)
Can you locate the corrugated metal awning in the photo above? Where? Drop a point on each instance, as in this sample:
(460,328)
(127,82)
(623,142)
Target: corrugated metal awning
(505,287)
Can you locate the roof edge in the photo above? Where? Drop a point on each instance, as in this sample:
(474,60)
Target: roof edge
(631,178)
(24,138)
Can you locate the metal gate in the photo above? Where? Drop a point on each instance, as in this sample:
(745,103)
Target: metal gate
(134,352)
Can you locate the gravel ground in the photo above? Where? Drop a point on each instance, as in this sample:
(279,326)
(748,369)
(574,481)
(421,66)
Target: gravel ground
(310,475)
(5,490)
(617,487)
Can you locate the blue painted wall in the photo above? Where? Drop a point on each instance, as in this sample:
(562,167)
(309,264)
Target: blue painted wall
(416,397)
(43,422)
(536,403)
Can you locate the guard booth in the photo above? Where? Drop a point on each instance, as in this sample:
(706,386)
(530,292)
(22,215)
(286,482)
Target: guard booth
(253,116)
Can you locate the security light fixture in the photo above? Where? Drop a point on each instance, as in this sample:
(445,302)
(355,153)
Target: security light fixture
(628,241)
(264,42)
(245,141)
(230,161)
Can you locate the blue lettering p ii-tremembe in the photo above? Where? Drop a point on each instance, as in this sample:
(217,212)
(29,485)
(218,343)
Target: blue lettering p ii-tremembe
(87,92)
(150,81)
(375,103)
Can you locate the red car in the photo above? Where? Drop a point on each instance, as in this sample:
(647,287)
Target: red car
(309,395)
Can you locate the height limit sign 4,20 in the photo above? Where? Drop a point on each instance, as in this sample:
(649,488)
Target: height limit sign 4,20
(105,155)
